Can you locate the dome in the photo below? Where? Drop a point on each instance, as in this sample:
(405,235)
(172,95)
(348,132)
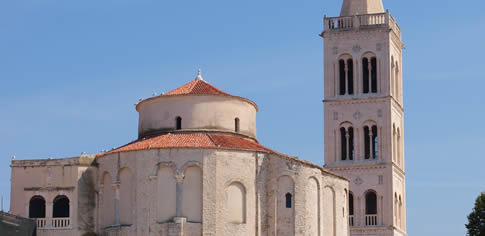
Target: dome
(196,106)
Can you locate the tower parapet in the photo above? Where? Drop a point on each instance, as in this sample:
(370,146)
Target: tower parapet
(357,22)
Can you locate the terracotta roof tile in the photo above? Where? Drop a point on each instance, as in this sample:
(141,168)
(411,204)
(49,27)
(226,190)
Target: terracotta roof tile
(205,140)
(193,140)
(197,87)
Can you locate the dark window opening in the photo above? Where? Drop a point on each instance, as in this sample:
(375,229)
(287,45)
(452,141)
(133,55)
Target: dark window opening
(37,207)
(288,198)
(351,143)
(61,207)
(374,142)
(342,76)
(366,142)
(351,204)
(236,125)
(365,74)
(343,141)
(350,78)
(179,123)
(371,203)
(374,75)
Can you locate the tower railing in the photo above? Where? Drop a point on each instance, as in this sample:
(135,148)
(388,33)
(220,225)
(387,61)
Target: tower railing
(361,21)
(370,220)
(53,223)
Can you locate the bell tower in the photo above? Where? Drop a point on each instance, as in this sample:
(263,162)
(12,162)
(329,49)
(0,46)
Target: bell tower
(364,114)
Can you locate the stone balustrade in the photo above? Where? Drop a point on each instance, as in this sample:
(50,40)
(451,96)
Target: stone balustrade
(361,21)
(370,220)
(53,223)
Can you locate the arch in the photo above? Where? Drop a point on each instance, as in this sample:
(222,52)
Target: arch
(313,206)
(393,79)
(159,165)
(236,125)
(397,81)
(329,211)
(192,194)
(398,146)
(400,213)
(369,72)
(37,207)
(108,200)
(126,196)
(285,215)
(166,193)
(395,209)
(347,150)
(394,146)
(60,207)
(370,202)
(236,203)
(346,74)
(351,204)
(178,123)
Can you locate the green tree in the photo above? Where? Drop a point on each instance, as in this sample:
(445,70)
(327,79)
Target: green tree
(476,219)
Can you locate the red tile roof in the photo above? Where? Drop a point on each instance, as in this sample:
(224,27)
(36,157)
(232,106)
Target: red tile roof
(193,140)
(206,140)
(199,87)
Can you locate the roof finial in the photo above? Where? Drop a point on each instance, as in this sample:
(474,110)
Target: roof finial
(199,77)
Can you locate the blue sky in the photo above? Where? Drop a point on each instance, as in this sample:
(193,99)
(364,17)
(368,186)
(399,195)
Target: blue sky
(70,72)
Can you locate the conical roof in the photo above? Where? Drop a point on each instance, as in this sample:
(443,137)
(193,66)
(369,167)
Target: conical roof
(361,7)
(198,86)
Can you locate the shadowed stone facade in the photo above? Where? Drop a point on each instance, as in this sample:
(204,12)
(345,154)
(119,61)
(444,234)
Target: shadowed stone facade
(195,170)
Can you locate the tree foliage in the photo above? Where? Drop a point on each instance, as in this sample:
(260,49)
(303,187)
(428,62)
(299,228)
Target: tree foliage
(476,219)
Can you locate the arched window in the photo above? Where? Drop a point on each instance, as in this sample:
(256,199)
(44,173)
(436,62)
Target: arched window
(397,81)
(371,142)
(178,122)
(351,209)
(398,146)
(373,75)
(370,208)
(289,200)
(37,207)
(343,142)
(342,75)
(375,148)
(346,76)
(371,203)
(236,125)
(61,207)
(369,72)
(350,76)
(347,143)
(351,204)
(400,213)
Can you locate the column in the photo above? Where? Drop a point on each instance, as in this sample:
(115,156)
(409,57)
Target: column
(179,178)
(369,62)
(371,143)
(116,186)
(347,146)
(346,77)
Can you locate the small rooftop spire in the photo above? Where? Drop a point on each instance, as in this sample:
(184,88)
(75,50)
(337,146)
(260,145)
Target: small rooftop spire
(361,7)
(199,77)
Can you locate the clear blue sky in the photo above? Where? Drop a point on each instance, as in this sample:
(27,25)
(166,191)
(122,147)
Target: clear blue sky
(70,72)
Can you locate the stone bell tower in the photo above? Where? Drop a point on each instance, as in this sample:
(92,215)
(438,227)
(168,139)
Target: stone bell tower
(364,114)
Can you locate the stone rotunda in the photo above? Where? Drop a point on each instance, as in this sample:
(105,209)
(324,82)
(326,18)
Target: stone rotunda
(195,169)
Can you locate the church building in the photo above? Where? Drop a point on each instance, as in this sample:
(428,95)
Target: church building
(197,167)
